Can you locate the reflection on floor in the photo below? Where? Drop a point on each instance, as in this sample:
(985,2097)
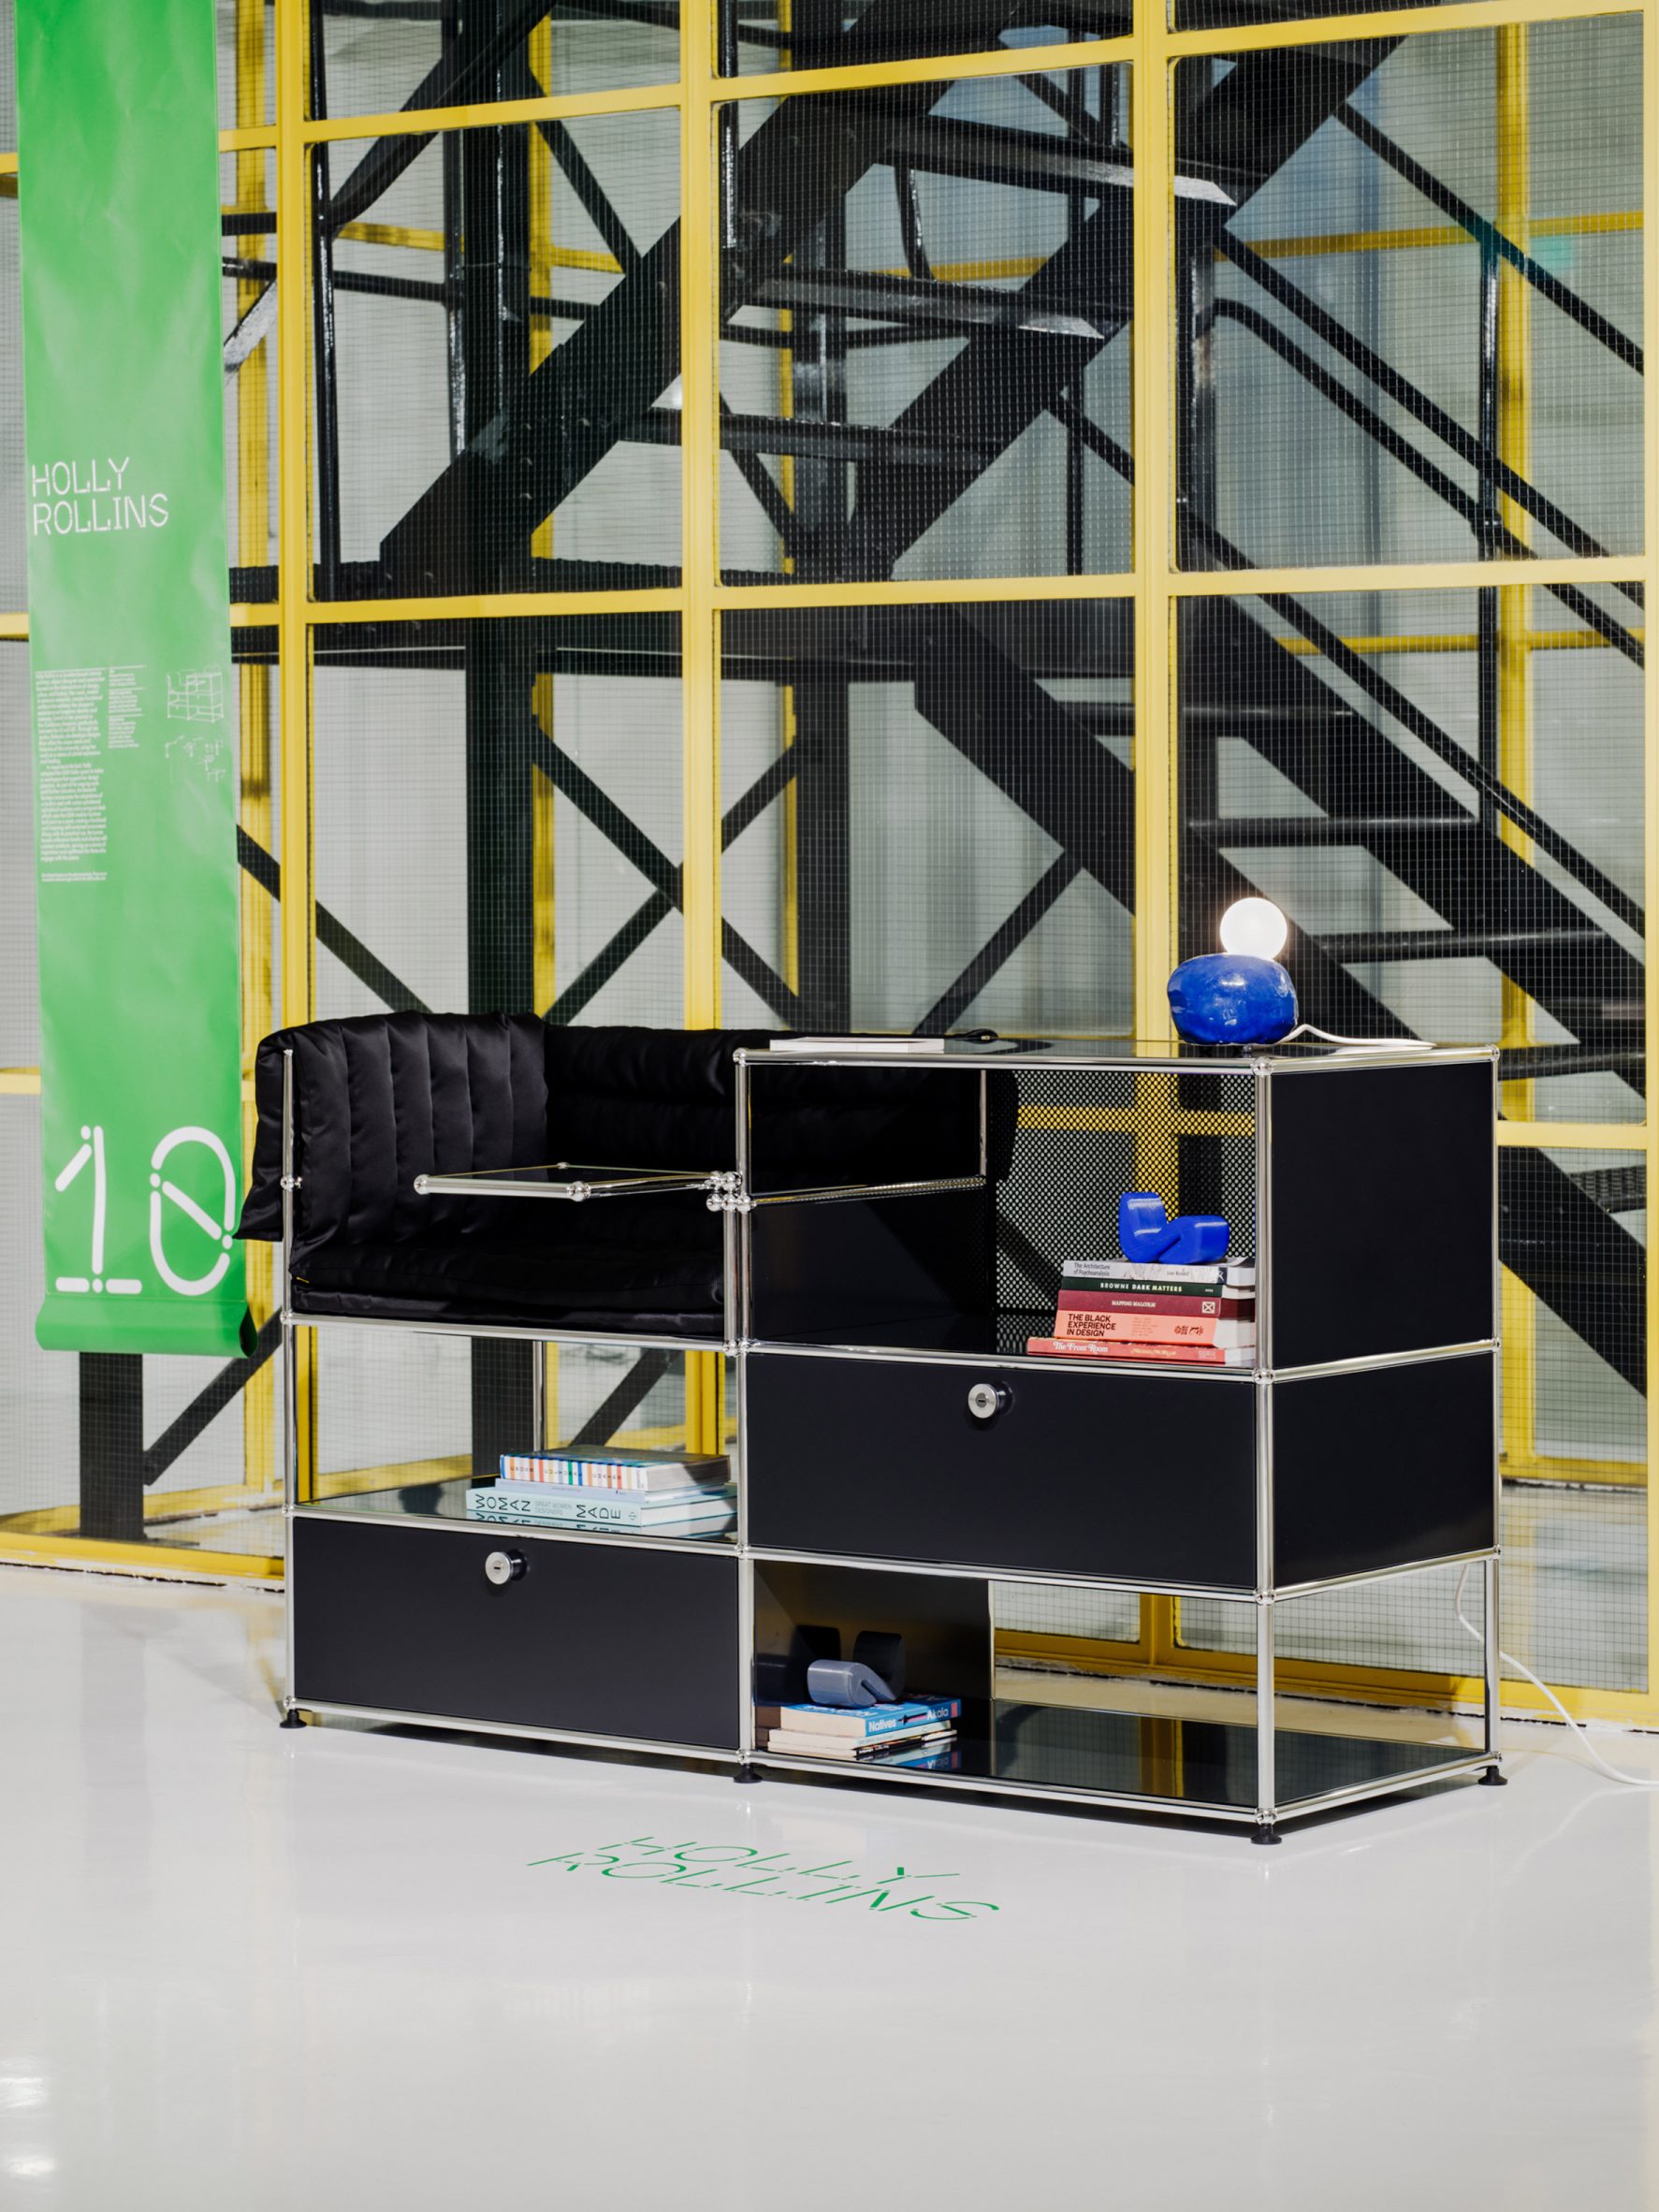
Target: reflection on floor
(264,1970)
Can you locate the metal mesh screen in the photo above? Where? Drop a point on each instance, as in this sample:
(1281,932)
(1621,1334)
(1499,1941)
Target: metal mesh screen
(372,57)
(1084,1137)
(1382,382)
(396,1409)
(928,817)
(926,301)
(500,281)
(769,35)
(498,817)
(1445,795)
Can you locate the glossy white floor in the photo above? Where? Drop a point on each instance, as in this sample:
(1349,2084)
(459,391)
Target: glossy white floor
(243,1968)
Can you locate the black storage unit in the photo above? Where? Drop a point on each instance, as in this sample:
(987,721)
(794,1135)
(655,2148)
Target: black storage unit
(901,1452)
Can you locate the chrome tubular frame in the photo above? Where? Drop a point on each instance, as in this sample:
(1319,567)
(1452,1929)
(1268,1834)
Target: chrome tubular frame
(731,1197)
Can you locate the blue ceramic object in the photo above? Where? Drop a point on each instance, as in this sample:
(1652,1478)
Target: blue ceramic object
(1189,1239)
(1231,998)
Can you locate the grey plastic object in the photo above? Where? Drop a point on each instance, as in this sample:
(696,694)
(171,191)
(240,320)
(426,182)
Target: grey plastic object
(846,1681)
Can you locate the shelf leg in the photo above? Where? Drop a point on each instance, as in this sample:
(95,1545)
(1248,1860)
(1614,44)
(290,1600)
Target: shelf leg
(1265,1832)
(749,1775)
(538,1387)
(292,1718)
(1266,1782)
(1493,1776)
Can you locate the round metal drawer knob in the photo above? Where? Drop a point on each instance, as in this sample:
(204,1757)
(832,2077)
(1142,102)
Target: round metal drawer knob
(503,1568)
(986,1401)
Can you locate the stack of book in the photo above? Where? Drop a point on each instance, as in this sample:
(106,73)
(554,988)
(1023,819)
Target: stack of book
(663,1493)
(920,1733)
(1126,1309)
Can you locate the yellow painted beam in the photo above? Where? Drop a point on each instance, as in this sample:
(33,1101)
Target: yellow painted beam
(1427,575)
(499,606)
(1001,60)
(402,122)
(178,1561)
(1393,22)
(1609,223)
(1577,1136)
(1650,792)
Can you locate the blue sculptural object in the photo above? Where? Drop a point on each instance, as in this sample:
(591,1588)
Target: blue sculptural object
(1232,998)
(1146,1233)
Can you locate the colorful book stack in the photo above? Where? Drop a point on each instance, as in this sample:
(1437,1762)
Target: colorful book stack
(919,1733)
(1125,1309)
(639,1492)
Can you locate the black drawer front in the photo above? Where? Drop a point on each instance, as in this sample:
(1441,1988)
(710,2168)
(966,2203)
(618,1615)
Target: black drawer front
(1383,1465)
(601,1639)
(1148,1478)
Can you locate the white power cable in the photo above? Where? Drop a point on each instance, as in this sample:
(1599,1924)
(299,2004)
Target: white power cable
(1636,1781)
(1361,1044)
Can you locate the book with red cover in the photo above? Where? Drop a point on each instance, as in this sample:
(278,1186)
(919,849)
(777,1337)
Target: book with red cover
(1140,1301)
(1178,1355)
(1172,1329)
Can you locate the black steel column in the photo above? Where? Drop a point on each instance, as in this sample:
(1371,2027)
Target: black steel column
(112,1447)
(824,501)
(495,334)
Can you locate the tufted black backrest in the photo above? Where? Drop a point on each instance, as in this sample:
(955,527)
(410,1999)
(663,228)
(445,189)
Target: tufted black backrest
(384,1098)
(645,1098)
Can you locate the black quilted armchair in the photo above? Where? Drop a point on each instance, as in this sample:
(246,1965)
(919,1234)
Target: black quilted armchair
(382,1102)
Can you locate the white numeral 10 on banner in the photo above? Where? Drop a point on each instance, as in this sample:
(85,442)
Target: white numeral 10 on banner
(166,1202)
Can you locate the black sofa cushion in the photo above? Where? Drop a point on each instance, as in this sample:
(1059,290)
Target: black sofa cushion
(651,1267)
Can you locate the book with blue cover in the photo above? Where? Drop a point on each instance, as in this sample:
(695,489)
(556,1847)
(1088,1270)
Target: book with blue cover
(866,1722)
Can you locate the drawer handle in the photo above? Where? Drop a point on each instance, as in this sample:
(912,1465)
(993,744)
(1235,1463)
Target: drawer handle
(503,1568)
(986,1401)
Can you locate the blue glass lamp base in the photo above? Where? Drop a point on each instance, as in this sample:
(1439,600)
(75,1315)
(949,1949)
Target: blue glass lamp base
(1231,998)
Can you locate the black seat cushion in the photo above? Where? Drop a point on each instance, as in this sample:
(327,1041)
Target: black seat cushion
(651,1266)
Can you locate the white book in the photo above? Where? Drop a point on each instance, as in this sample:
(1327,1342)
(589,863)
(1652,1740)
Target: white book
(815,1045)
(1230,1272)
(844,1747)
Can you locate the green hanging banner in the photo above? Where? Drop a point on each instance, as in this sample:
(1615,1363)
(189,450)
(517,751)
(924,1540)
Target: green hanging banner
(134,704)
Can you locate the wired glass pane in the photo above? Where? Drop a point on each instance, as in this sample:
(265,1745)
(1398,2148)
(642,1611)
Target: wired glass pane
(759,35)
(1409,325)
(502,413)
(374,56)
(399,1410)
(929,817)
(1444,793)
(926,307)
(498,818)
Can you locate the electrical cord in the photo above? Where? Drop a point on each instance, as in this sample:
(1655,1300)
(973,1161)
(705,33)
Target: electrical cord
(1636,1781)
(1364,1045)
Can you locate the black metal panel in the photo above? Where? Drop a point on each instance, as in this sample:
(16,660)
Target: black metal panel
(1381,1211)
(837,1269)
(1377,1468)
(601,1639)
(1139,1477)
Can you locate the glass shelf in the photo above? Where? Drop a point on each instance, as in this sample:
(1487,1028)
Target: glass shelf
(1192,1763)
(446,1501)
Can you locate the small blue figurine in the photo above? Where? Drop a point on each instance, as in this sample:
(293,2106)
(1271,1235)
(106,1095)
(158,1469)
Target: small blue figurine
(1232,998)
(1144,1232)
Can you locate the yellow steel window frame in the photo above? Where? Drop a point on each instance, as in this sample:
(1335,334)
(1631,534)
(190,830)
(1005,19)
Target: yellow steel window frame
(1155,585)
